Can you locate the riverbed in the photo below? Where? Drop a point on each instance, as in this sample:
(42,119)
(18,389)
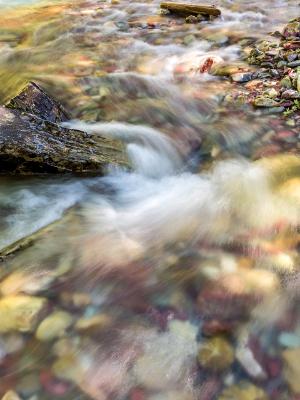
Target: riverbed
(180,279)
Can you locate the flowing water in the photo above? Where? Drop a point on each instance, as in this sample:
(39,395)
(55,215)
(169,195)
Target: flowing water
(178,280)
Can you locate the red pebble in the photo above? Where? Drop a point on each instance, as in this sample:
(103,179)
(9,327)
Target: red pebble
(53,385)
(273,366)
(284,134)
(267,151)
(137,394)
(214,327)
(292,45)
(206,67)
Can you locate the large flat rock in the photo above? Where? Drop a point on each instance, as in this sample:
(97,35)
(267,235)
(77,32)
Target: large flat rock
(34,100)
(32,141)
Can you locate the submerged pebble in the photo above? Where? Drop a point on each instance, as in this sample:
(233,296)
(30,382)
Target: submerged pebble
(216,354)
(11,395)
(289,339)
(55,325)
(21,313)
(243,391)
(291,369)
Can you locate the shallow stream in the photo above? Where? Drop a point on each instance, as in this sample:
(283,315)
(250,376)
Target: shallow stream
(178,280)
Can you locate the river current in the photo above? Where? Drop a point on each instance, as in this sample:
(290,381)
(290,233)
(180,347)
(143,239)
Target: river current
(178,280)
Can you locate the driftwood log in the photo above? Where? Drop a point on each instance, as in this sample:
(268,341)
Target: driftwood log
(185,10)
(33,142)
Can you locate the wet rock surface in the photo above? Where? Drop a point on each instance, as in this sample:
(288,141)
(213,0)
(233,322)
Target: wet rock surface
(276,79)
(34,100)
(37,144)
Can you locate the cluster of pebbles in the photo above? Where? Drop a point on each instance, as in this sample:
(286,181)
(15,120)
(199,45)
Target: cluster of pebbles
(275,84)
(200,323)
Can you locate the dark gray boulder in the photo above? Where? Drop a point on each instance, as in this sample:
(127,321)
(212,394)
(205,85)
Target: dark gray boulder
(34,100)
(32,141)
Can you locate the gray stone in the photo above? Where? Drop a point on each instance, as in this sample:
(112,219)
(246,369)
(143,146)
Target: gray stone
(294,64)
(290,94)
(32,140)
(242,77)
(30,145)
(292,57)
(34,100)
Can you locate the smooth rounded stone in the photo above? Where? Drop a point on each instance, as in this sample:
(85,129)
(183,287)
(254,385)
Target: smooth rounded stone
(168,357)
(26,282)
(94,323)
(290,122)
(289,339)
(267,65)
(29,385)
(291,368)
(216,354)
(292,57)
(294,64)
(242,77)
(265,102)
(55,325)
(243,391)
(11,395)
(13,343)
(290,94)
(246,358)
(172,395)
(68,368)
(21,313)
(66,346)
(224,69)
(281,64)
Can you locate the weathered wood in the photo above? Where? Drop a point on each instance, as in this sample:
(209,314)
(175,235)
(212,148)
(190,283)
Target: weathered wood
(33,142)
(190,9)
